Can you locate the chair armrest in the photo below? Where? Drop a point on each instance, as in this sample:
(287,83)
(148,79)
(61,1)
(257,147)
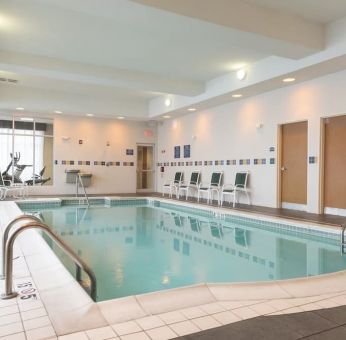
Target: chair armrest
(17,185)
(200,185)
(240,187)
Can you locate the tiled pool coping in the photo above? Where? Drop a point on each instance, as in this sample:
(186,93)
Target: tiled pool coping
(273,223)
(71,310)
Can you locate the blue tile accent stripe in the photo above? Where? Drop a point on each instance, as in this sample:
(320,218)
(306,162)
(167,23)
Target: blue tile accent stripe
(232,220)
(256,161)
(95,163)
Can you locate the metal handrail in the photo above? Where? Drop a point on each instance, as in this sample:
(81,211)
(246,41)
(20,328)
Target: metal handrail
(79,181)
(342,241)
(9,293)
(5,237)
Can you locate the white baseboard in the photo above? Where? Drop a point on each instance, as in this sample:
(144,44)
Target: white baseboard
(335,211)
(294,206)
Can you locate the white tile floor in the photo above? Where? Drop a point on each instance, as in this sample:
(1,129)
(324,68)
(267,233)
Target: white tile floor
(34,323)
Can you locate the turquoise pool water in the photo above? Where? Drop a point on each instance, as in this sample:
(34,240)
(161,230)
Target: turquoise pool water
(143,248)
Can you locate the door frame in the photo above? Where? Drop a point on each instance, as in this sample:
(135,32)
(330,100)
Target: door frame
(321,203)
(279,159)
(321,165)
(154,167)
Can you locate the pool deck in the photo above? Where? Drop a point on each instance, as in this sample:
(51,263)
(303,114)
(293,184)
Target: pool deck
(288,309)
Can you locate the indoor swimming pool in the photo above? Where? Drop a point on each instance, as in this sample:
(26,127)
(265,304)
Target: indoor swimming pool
(142,246)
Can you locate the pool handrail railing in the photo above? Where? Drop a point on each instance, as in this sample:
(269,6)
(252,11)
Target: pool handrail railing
(80,264)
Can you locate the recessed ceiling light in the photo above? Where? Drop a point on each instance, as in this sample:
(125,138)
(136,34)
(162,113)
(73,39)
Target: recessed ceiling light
(6,22)
(120,117)
(166,117)
(241,74)
(237,95)
(191,109)
(288,80)
(27,119)
(57,111)
(90,115)
(168,102)
(20,108)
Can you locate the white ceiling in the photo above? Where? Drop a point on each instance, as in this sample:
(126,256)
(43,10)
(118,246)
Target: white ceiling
(113,57)
(123,35)
(321,11)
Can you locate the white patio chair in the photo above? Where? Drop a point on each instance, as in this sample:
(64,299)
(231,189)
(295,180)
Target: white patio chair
(214,186)
(191,186)
(175,184)
(6,187)
(233,190)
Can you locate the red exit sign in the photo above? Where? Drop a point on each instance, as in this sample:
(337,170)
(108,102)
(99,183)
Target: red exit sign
(148,133)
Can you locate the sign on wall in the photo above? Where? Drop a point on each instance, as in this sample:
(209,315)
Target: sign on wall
(187,151)
(177,151)
(129,152)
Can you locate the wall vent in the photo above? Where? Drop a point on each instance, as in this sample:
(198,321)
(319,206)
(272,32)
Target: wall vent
(9,80)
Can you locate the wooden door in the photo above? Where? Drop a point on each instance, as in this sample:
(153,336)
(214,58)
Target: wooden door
(294,149)
(145,168)
(335,162)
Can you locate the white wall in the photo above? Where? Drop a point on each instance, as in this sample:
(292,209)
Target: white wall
(95,133)
(229,132)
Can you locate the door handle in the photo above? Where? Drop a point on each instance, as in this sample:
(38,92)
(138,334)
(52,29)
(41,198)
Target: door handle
(283,168)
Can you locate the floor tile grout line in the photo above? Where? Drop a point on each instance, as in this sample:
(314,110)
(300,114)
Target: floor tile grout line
(230,310)
(199,330)
(304,304)
(142,307)
(9,323)
(321,332)
(22,321)
(160,327)
(211,314)
(212,294)
(14,334)
(40,299)
(323,317)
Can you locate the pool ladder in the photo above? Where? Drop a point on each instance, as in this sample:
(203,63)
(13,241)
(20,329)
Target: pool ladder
(7,254)
(79,183)
(342,241)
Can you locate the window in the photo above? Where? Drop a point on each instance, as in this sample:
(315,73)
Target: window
(26,150)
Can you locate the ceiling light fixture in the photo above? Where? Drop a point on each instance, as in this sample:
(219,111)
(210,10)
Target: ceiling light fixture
(90,114)
(191,109)
(120,117)
(57,111)
(237,66)
(168,102)
(166,117)
(20,108)
(27,119)
(237,95)
(6,22)
(241,74)
(288,80)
